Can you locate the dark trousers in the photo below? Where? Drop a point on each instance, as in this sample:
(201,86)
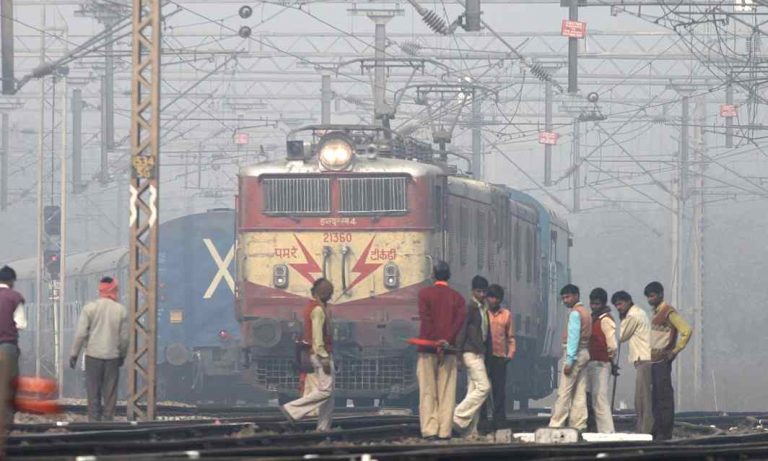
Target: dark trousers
(10,354)
(663,400)
(101,383)
(496,367)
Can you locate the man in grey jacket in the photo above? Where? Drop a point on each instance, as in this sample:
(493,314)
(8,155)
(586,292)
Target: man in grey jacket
(103,328)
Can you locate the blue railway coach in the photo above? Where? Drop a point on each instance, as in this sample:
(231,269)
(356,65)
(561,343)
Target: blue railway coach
(197,331)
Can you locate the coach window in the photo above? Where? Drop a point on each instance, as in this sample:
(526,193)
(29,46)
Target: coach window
(518,266)
(491,241)
(480,235)
(463,234)
(438,204)
(529,254)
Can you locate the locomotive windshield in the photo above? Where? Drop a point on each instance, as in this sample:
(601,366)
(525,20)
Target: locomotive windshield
(361,195)
(297,196)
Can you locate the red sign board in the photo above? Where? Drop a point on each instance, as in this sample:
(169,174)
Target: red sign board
(729,110)
(573,29)
(241,138)
(548,137)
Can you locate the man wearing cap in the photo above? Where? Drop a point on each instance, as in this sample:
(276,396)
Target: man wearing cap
(12,319)
(318,330)
(103,329)
(442,312)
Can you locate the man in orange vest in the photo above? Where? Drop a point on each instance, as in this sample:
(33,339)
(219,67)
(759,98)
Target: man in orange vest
(318,333)
(571,404)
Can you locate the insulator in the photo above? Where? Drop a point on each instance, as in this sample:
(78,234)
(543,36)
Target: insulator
(540,73)
(434,22)
(410,48)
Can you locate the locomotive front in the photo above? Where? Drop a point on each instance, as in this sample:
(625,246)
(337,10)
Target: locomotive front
(342,207)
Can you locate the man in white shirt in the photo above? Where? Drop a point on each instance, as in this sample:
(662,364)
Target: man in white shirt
(636,329)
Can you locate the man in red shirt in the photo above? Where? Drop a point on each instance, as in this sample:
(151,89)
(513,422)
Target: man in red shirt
(442,311)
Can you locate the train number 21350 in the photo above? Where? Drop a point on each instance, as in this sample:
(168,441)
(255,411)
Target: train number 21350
(337,237)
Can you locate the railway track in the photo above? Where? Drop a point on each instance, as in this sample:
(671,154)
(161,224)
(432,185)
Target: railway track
(386,436)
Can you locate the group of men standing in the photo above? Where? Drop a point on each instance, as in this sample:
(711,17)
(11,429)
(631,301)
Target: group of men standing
(481,334)
(590,354)
(102,331)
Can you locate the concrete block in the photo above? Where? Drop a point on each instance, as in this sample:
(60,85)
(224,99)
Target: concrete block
(617,437)
(556,435)
(525,437)
(503,436)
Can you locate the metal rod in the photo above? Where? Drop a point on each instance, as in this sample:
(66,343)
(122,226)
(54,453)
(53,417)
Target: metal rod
(575,146)
(104,145)
(548,128)
(380,84)
(109,88)
(326,95)
(77,140)
(478,169)
(4,164)
(729,120)
(684,145)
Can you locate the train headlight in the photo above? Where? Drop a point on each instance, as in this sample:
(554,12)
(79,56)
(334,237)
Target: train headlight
(280,276)
(177,354)
(391,275)
(335,151)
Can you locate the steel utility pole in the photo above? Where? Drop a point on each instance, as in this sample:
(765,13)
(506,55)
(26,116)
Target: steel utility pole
(682,192)
(380,17)
(573,50)
(144,208)
(700,146)
(63,237)
(40,219)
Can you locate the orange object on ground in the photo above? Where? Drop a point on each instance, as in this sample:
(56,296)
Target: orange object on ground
(33,395)
(31,405)
(33,385)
